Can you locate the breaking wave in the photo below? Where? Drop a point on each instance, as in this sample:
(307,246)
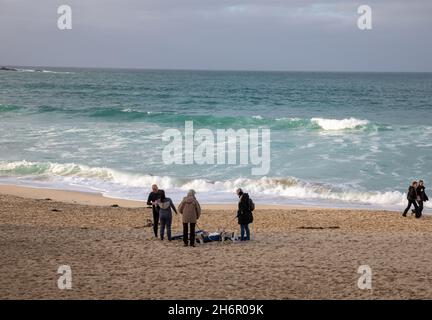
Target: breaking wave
(127,185)
(344,124)
(42,71)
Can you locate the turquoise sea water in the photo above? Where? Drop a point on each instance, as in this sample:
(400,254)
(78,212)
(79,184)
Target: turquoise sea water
(337,139)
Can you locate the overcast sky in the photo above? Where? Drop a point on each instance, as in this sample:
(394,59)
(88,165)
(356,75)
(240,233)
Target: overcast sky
(219,34)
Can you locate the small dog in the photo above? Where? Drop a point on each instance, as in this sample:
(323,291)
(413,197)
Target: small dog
(226,235)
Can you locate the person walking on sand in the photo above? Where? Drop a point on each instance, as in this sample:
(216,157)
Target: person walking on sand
(421,197)
(412,199)
(153,196)
(244,214)
(191,211)
(165,214)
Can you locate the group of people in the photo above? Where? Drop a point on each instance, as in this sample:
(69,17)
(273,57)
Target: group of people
(190,210)
(416,196)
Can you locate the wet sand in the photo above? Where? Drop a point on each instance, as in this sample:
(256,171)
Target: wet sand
(295,253)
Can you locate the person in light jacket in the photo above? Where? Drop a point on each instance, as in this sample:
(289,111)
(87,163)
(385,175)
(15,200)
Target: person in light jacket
(191,211)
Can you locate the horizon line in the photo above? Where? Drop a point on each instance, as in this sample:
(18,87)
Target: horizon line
(210,70)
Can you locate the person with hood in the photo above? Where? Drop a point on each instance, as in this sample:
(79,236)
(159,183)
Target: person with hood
(421,197)
(244,214)
(412,199)
(165,214)
(153,196)
(191,211)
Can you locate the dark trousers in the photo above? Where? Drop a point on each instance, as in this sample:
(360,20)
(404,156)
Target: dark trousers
(416,207)
(420,210)
(192,233)
(165,221)
(155,220)
(244,228)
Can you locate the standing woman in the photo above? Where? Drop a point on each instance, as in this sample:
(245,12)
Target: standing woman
(412,199)
(191,211)
(244,214)
(421,197)
(165,215)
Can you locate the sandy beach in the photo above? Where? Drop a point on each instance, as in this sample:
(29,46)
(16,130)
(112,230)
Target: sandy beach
(296,253)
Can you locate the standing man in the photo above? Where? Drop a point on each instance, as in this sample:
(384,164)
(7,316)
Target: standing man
(155,195)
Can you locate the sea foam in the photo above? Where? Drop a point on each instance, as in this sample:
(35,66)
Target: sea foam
(344,124)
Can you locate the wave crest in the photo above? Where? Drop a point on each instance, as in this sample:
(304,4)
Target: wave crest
(336,125)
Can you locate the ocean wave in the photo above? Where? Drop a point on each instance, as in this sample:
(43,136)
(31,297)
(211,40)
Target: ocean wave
(42,71)
(293,188)
(43,109)
(343,124)
(49,169)
(171,118)
(8,108)
(207,120)
(278,189)
(167,117)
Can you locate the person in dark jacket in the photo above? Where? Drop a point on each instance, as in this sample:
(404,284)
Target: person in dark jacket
(421,197)
(244,214)
(153,197)
(412,199)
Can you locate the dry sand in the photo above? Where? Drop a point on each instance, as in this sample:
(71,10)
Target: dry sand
(296,253)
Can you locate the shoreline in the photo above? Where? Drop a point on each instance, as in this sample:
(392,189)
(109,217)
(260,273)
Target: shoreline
(98,199)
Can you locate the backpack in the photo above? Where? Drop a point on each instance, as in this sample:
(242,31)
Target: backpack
(251,205)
